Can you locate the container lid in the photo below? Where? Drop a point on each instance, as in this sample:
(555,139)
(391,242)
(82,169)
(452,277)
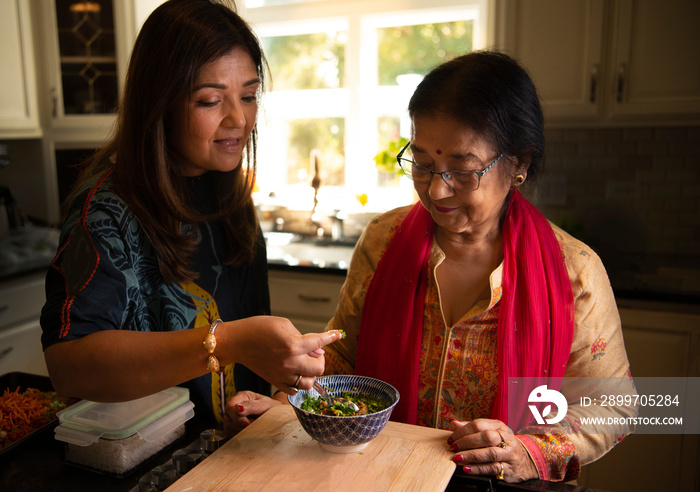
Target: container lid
(94,420)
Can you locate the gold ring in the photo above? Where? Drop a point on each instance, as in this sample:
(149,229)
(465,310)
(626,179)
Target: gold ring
(500,474)
(501,444)
(295,386)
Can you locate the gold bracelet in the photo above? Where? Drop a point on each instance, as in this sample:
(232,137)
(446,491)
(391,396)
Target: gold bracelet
(210,345)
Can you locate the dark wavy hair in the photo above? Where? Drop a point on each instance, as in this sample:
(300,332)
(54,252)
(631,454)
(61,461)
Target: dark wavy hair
(492,94)
(177,39)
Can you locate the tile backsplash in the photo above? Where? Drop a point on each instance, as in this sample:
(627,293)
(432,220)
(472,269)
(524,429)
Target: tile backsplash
(632,194)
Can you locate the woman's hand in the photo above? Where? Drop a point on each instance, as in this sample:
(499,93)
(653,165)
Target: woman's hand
(489,447)
(246,406)
(274,349)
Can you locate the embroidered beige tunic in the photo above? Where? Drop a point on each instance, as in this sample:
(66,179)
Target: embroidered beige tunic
(458,367)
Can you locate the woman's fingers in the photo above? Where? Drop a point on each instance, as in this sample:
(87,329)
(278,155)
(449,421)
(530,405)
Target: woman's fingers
(478,433)
(311,363)
(314,341)
(274,349)
(244,407)
(489,447)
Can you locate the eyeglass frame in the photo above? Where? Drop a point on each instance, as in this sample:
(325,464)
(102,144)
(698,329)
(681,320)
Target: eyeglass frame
(479,174)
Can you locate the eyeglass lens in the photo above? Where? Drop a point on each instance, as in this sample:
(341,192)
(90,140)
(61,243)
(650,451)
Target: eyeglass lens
(458,179)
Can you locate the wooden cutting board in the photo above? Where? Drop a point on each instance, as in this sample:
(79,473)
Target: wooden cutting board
(275,453)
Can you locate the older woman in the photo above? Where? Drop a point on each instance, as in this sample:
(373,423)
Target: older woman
(450,298)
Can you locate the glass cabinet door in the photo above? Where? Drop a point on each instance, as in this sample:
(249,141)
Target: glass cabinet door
(88,61)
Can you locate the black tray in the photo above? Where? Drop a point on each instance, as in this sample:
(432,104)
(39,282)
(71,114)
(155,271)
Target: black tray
(23,380)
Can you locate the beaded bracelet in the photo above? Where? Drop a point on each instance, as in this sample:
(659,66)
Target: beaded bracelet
(210,345)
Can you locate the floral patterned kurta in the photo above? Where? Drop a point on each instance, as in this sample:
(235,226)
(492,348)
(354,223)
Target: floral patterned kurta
(459,364)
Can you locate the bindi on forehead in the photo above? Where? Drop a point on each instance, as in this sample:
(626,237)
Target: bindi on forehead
(438,151)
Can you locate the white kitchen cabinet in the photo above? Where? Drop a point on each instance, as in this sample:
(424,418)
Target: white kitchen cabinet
(561,45)
(20,349)
(307,299)
(82,114)
(71,123)
(19,114)
(21,301)
(659,343)
(655,70)
(617,62)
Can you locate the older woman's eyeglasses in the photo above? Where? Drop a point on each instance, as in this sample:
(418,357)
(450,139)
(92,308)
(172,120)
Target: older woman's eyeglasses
(458,179)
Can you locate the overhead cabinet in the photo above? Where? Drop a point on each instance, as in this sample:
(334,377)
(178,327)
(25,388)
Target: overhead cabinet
(617,61)
(85,46)
(656,69)
(19,115)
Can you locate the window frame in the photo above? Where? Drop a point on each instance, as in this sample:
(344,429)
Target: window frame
(354,101)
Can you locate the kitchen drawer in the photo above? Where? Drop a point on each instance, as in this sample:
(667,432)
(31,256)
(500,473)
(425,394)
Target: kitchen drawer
(21,299)
(305,296)
(20,349)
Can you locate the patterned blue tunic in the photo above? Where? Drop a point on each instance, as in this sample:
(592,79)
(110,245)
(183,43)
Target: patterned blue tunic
(105,276)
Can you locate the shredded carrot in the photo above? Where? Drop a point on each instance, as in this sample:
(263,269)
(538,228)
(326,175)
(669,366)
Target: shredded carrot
(26,411)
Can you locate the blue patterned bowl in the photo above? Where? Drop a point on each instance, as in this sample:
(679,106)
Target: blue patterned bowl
(346,434)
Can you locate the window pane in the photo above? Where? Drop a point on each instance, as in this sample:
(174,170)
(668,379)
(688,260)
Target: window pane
(307,61)
(325,138)
(419,48)
(388,132)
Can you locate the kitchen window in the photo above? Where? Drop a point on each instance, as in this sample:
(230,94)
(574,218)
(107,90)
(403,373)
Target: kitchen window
(342,75)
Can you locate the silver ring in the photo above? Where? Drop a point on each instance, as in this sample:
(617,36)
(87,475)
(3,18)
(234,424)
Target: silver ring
(295,386)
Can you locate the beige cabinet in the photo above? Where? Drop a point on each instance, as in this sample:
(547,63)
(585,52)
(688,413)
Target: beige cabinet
(307,299)
(660,343)
(84,54)
(655,69)
(21,301)
(617,62)
(84,57)
(561,44)
(19,115)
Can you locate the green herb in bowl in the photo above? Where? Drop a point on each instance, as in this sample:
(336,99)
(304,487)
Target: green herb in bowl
(367,404)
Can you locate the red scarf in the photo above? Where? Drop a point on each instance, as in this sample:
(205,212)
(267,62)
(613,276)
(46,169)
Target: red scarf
(537,299)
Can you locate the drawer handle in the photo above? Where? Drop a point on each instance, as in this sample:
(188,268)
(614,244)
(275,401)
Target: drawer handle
(306,298)
(6,351)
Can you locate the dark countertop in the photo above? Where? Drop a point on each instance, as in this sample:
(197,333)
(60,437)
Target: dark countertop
(308,268)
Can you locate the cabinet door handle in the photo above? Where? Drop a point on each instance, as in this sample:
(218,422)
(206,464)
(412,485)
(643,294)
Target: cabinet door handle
(307,298)
(54,103)
(621,72)
(594,82)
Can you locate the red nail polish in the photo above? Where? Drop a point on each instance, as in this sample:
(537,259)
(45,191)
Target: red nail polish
(239,408)
(454,447)
(467,469)
(457,458)
(450,440)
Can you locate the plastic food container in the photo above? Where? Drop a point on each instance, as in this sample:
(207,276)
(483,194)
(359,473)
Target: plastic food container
(117,437)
